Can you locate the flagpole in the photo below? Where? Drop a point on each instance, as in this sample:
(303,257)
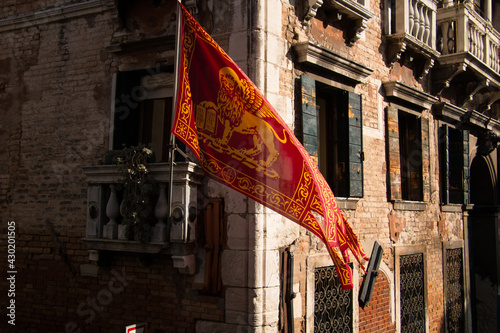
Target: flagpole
(174,110)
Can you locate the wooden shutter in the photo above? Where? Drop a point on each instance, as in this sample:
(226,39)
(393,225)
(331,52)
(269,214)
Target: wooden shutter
(355,145)
(444,163)
(309,117)
(466,173)
(393,152)
(454,183)
(425,173)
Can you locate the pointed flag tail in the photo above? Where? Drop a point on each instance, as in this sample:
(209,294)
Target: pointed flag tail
(242,142)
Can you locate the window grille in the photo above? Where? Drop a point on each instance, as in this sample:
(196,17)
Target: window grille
(412,297)
(332,305)
(455,314)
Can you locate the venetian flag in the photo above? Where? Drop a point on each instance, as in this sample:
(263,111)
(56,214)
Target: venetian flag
(241,141)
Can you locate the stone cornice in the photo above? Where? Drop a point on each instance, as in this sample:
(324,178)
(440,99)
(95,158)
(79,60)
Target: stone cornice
(313,54)
(53,14)
(447,111)
(402,92)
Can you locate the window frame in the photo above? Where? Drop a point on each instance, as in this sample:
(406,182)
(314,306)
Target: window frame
(348,107)
(149,84)
(457,244)
(402,250)
(445,143)
(313,262)
(394,158)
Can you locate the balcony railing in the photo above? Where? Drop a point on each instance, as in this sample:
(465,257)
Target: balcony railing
(416,19)
(412,29)
(104,230)
(463,30)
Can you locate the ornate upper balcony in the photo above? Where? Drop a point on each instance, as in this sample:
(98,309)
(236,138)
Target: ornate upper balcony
(106,230)
(469,46)
(412,30)
(465,37)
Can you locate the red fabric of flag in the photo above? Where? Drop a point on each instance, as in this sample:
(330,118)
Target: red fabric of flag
(241,141)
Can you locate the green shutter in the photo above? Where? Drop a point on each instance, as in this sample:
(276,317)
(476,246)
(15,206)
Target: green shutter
(466,173)
(394,162)
(444,164)
(425,175)
(309,116)
(355,145)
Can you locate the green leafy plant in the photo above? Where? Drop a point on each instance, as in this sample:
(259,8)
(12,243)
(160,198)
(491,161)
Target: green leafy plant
(139,189)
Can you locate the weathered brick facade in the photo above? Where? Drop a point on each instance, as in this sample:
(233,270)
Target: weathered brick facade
(59,63)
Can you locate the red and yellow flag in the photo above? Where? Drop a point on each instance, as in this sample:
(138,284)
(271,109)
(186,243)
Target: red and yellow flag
(242,142)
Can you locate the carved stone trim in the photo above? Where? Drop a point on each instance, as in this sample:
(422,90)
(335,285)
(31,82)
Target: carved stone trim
(403,42)
(191,6)
(53,14)
(444,110)
(313,9)
(406,93)
(340,10)
(448,74)
(313,54)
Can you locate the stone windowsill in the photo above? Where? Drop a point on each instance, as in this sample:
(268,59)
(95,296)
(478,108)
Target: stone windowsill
(347,203)
(100,244)
(452,208)
(410,205)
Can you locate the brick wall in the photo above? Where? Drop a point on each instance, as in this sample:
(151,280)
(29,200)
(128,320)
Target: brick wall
(52,293)
(376,317)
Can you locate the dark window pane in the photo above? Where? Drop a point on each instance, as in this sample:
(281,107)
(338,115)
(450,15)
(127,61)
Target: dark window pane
(410,145)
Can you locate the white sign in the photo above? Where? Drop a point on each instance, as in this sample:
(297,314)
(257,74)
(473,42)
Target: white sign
(136,328)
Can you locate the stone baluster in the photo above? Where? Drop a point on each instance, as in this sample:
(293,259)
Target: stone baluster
(416,25)
(471,40)
(122,228)
(451,37)
(480,45)
(159,233)
(427,24)
(494,60)
(422,22)
(411,17)
(110,230)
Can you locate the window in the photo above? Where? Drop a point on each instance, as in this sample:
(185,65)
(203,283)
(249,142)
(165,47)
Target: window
(408,156)
(410,147)
(454,165)
(143,106)
(454,290)
(332,135)
(412,293)
(411,288)
(333,307)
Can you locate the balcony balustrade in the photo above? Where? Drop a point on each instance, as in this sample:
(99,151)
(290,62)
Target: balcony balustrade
(464,32)
(104,199)
(411,29)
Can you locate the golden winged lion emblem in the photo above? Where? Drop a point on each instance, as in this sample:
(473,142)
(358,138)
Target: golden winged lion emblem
(240,109)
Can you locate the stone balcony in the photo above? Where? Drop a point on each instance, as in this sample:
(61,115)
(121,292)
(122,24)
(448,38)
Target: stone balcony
(412,31)
(355,13)
(174,236)
(467,42)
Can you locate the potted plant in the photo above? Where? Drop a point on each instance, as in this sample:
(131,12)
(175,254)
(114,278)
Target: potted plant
(139,188)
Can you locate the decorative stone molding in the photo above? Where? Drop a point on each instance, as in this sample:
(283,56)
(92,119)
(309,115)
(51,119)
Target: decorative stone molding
(448,112)
(191,6)
(313,9)
(341,10)
(311,54)
(402,92)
